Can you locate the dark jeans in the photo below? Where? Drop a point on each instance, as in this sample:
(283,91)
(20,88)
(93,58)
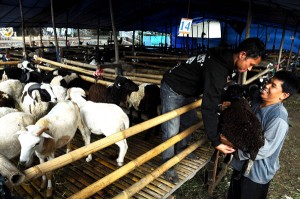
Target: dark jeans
(244,188)
(171,101)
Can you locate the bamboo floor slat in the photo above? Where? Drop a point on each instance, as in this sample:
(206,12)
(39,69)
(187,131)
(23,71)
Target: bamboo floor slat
(78,175)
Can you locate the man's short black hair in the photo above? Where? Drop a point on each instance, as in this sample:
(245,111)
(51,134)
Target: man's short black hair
(290,81)
(253,46)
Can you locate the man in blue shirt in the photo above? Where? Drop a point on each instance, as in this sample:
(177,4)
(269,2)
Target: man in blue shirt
(273,116)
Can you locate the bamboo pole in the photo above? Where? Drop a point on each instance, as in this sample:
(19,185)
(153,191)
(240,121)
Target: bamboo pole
(156,58)
(115,175)
(99,81)
(76,63)
(148,65)
(153,76)
(159,171)
(72,156)
(86,78)
(88,72)
(9,63)
(257,76)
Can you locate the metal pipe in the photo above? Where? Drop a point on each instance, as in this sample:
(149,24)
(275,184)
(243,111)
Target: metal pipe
(23,35)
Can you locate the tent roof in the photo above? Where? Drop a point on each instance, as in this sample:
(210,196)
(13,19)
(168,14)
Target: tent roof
(152,15)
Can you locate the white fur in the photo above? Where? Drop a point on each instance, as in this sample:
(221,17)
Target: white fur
(13,88)
(10,124)
(59,125)
(101,118)
(135,97)
(6,110)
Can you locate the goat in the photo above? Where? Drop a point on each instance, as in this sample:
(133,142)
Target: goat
(29,72)
(37,99)
(13,88)
(115,93)
(6,110)
(6,100)
(146,100)
(101,118)
(240,128)
(53,131)
(9,125)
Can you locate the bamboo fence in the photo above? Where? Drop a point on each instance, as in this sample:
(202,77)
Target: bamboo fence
(89,72)
(108,179)
(77,154)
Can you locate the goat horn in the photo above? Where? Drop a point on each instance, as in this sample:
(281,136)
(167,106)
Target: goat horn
(41,131)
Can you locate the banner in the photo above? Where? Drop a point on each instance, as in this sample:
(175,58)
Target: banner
(7,32)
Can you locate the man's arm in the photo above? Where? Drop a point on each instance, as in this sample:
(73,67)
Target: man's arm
(274,136)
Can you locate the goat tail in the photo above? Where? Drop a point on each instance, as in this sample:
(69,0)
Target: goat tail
(126,122)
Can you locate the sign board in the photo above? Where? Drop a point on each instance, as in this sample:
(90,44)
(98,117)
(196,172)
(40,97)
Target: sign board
(185,26)
(7,32)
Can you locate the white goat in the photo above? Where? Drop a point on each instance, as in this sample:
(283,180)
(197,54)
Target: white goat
(53,131)
(10,124)
(6,110)
(13,88)
(37,99)
(101,118)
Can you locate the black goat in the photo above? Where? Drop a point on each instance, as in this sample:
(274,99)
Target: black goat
(242,129)
(116,93)
(146,100)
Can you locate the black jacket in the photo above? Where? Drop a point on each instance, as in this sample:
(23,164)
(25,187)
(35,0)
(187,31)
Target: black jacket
(204,74)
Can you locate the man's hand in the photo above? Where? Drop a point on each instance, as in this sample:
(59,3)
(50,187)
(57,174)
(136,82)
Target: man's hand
(225,148)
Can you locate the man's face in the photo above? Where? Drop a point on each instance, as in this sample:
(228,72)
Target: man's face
(244,64)
(272,91)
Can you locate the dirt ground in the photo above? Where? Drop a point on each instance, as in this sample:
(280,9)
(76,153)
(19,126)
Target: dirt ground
(286,183)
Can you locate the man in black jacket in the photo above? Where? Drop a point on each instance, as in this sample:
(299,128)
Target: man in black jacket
(203,74)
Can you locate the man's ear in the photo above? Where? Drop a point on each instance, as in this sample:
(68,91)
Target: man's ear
(285,95)
(242,55)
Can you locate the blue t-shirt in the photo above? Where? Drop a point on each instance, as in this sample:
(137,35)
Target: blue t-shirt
(274,120)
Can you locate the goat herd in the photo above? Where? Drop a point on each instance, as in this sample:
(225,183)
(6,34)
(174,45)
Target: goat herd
(41,112)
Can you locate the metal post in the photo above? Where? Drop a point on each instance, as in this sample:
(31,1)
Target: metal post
(114,32)
(54,30)
(67,24)
(23,35)
(243,76)
(291,48)
(78,35)
(281,44)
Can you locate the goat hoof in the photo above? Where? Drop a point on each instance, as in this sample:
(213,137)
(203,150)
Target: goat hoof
(43,186)
(49,192)
(88,159)
(120,164)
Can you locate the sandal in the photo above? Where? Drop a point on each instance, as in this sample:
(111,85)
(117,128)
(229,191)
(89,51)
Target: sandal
(171,176)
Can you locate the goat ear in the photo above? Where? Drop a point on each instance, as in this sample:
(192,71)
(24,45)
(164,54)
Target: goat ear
(68,94)
(45,135)
(20,132)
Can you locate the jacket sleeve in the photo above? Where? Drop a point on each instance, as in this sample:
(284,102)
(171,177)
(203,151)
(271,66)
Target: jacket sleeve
(215,77)
(274,134)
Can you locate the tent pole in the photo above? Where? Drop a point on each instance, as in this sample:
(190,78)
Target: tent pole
(23,35)
(281,44)
(66,34)
(273,47)
(41,37)
(114,33)
(54,30)
(243,76)
(291,48)
(78,35)
(266,36)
